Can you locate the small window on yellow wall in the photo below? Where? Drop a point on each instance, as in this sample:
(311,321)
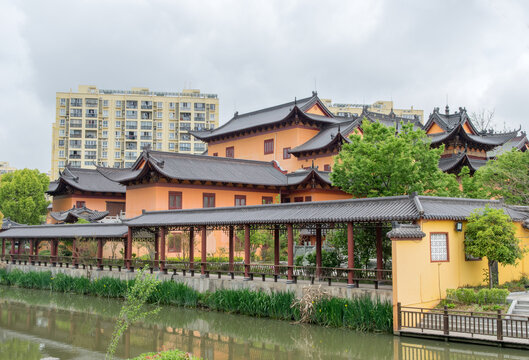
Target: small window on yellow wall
(439,247)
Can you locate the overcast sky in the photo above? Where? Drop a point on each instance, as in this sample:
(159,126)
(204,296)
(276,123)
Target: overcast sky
(255,54)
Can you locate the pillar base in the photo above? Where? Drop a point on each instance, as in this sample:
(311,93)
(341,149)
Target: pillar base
(351,286)
(247,279)
(203,276)
(290,282)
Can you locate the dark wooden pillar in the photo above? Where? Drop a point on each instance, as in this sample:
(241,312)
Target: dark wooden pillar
(318,251)
(277,248)
(231,247)
(129,250)
(163,232)
(350,254)
(203,251)
(31,249)
(12,250)
(191,249)
(290,253)
(157,249)
(99,254)
(37,245)
(246,252)
(74,253)
(3,248)
(53,252)
(380,257)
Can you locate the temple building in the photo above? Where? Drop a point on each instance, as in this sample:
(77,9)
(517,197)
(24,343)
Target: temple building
(464,144)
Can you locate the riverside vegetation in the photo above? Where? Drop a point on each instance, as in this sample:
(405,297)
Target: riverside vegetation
(361,313)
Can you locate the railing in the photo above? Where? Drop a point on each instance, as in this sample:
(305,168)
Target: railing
(446,321)
(264,271)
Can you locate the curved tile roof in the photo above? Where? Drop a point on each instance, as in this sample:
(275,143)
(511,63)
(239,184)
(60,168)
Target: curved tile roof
(328,135)
(73,214)
(406,231)
(461,159)
(84,180)
(68,231)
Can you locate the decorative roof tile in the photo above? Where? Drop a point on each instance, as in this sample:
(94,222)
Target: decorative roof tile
(406,231)
(73,214)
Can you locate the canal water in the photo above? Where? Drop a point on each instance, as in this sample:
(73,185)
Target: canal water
(36,324)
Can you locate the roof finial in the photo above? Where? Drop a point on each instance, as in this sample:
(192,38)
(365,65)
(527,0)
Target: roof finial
(339,128)
(295,101)
(312,164)
(447,110)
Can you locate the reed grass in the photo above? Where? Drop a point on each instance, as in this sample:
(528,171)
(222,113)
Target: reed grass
(361,313)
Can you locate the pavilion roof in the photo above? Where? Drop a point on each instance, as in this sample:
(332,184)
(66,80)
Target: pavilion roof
(7,223)
(84,180)
(68,231)
(384,209)
(74,214)
(335,133)
(457,161)
(519,142)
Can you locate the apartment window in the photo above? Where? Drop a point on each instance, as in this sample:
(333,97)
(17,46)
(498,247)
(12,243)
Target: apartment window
(76,123)
(185,137)
(208,200)
(298,199)
(131,124)
(119,103)
(131,145)
(132,114)
(117,134)
(131,135)
(286,154)
(105,123)
(146,105)
(171,146)
(117,144)
(90,134)
(144,145)
(62,122)
(61,143)
(171,105)
(61,153)
(62,112)
(326,167)
(159,125)
(159,114)
(117,154)
(438,247)
(92,124)
(308,198)
(185,147)
(269,146)
(132,104)
(171,115)
(200,106)
(159,146)
(88,163)
(91,113)
(90,155)
(61,163)
(118,124)
(175,200)
(76,133)
(159,136)
(105,103)
(91,102)
(117,164)
(90,144)
(75,164)
(159,105)
(76,112)
(216,154)
(200,117)
(62,132)
(104,163)
(211,106)
(75,154)
(119,113)
(128,164)
(80,204)
(76,102)
(185,106)
(171,126)
(105,113)
(104,144)
(200,126)
(146,135)
(211,117)
(230,152)
(130,155)
(171,136)
(63,102)
(185,116)
(200,147)
(185,126)
(268,200)
(240,200)
(104,154)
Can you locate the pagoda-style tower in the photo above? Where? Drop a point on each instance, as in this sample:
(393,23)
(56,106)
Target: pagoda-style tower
(464,144)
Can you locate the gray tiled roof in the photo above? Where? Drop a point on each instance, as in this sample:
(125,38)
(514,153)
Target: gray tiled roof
(389,120)
(301,175)
(264,117)
(456,160)
(95,230)
(406,231)
(7,223)
(517,142)
(202,168)
(328,135)
(488,139)
(396,208)
(73,214)
(84,180)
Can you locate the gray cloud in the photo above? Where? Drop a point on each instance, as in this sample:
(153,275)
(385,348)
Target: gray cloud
(258,53)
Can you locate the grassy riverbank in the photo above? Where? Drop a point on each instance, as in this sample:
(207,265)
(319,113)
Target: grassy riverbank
(361,313)
(167,355)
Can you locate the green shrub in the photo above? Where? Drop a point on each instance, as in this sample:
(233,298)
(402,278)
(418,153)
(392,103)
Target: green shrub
(166,355)
(483,296)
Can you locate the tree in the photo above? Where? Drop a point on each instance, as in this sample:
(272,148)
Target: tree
(382,163)
(22,196)
(506,177)
(490,233)
(483,119)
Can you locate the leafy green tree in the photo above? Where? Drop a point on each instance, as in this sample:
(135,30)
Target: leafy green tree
(506,177)
(490,233)
(22,196)
(471,186)
(383,163)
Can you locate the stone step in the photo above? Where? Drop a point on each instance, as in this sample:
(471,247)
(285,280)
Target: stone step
(520,312)
(522,302)
(523,306)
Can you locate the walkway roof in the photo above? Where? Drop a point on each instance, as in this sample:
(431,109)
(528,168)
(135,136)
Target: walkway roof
(384,209)
(66,231)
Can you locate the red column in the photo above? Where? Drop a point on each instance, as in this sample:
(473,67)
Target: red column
(156,249)
(380,258)
(231,247)
(99,254)
(54,245)
(74,252)
(290,253)
(246,252)
(37,243)
(350,254)
(3,247)
(31,247)
(129,249)
(12,251)
(276,250)
(162,247)
(191,248)
(318,250)
(203,251)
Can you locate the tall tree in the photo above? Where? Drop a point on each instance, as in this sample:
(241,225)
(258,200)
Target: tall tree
(490,233)
(383,163)
(483,119)
(22,196)
(506,177)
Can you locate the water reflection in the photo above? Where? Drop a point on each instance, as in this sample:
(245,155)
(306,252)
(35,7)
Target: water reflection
(73,327)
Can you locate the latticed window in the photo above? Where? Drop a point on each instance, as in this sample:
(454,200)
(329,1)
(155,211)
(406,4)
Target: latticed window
(269,146)
(439,247)
(175,200)
(208,200)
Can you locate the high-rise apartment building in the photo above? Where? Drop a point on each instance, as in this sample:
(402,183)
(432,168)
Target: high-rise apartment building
(380,107)
(111,127)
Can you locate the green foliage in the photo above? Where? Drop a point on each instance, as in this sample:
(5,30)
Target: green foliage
(22,196)
(483,296)
(506,177)
(173,293)
(328,258)
(82,221)
(167,355)
(136,298)
(490,233)
(471,186)
(382,163)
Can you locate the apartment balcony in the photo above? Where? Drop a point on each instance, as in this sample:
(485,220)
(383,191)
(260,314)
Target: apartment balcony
(91,115)
(91,126)
(90,146)
(143,137)
(89,157)
(145,127)
(146,107)
(76,136)
(131,137)
(74,156)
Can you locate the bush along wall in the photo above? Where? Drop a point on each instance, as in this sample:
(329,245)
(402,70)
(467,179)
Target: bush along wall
(361,313)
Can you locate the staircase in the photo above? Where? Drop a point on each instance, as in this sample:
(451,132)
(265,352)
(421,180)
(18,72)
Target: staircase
(521,308)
